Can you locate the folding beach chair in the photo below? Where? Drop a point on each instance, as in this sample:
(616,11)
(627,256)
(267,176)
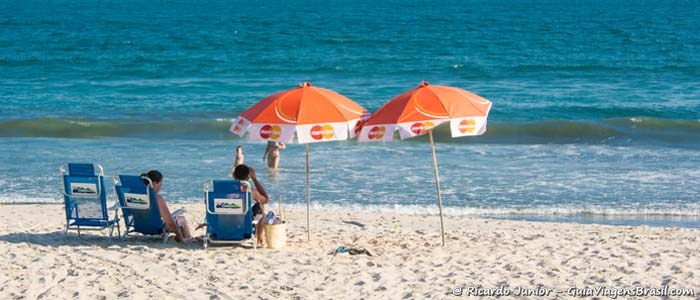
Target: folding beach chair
(140,208)
(85,198)
(229,213)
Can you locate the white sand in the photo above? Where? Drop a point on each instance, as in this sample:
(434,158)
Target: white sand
(39,261)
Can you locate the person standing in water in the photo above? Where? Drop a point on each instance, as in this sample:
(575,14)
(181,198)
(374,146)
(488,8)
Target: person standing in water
(272,154)
(239,158)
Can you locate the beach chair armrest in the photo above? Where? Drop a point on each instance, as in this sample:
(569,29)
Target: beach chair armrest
(178,212)
(72,209)
(72,204)
(256,219)
(114,206)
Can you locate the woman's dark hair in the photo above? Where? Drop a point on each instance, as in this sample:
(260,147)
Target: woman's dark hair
(154,175)
(241,172)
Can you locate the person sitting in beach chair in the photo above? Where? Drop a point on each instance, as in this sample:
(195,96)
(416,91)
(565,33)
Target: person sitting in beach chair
(85,198)
(145,211)
(259,195)
(237,194)
(229,214)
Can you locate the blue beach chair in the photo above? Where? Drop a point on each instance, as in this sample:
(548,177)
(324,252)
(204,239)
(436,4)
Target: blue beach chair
(140,208)
(85,198)
(229,213)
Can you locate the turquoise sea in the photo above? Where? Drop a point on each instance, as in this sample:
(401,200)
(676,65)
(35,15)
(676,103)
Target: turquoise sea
(595,117)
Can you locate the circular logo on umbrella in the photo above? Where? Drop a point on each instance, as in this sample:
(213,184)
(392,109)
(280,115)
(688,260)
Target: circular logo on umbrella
(320,132)
(358,127)
(420,127)
(270,132)
(239,126)
(467,125)
(377,132)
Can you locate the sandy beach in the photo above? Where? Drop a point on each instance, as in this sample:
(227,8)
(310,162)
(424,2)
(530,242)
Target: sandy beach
(482,256)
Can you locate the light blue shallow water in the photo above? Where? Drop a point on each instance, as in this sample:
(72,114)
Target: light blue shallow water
(595,118)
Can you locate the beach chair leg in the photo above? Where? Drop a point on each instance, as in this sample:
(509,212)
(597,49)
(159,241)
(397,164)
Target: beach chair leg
(115,224)
(255,241)
(206,241)
(111,230)
(78,231)
(126,229)
(119,230)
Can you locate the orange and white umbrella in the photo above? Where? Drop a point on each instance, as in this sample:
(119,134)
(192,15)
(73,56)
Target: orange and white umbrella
(314,114)
(311,113)
(419,110)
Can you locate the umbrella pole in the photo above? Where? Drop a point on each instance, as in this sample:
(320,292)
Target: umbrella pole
(308,197)
(437,186)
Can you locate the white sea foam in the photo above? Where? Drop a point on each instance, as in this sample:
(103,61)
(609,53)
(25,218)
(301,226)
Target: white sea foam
(692,211)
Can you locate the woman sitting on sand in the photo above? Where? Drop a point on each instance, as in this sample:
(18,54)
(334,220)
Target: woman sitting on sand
(182,233)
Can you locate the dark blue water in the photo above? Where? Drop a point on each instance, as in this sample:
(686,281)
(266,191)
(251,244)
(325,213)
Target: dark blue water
(596,104)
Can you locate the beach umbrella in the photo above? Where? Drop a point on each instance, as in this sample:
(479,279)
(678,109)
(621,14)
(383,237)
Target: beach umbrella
(419,110)
(309,113)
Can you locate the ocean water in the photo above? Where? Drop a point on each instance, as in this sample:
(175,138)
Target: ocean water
(595,117)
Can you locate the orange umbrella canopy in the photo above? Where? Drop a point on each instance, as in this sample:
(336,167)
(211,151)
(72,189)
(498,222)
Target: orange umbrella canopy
(314,114)
(417,111)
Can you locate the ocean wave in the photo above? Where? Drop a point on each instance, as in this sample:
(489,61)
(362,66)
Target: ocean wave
(639,129)
(92,128)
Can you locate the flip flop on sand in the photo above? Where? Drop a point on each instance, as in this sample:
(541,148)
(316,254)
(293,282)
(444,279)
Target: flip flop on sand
(351,251)
(356,251)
